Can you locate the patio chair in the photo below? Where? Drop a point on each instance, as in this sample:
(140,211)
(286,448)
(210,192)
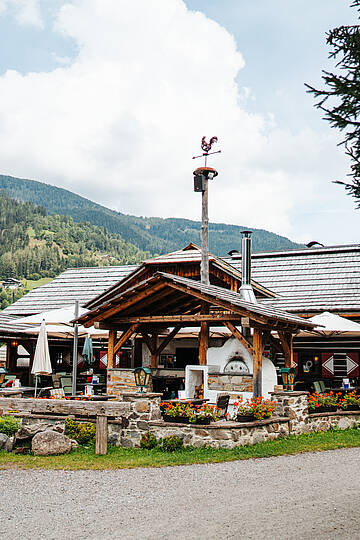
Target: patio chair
(222,403)
(317,387)
(66,385)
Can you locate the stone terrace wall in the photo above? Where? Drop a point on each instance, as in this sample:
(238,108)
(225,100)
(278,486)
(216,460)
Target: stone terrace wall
(224,434)
(121,381)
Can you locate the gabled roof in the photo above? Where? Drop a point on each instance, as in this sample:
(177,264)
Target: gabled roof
(74,284)
(310,280)
(190,254)
(183,296)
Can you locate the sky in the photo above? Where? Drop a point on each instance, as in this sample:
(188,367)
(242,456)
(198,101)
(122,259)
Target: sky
(110,99)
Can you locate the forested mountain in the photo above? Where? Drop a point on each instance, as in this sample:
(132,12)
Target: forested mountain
(34,244)
(155,235)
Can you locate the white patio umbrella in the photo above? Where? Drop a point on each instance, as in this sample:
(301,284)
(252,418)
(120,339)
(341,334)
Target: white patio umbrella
(330,324)
(42,363)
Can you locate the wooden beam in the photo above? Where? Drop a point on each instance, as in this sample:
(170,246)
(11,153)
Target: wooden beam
(124,304)
(111,345)
(173,319)
(148,342)
(126,335)
(204,335)
(238,335)
(168,338)
(286,340)
(226,305)
(257,362)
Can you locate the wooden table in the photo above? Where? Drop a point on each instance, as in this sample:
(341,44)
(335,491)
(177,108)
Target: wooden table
(344,390)
(193,401)
(96,397)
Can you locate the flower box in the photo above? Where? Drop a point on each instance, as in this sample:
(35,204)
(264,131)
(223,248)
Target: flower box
(176,419)
(201,421)
(324,408)
(245,418)
(351,407)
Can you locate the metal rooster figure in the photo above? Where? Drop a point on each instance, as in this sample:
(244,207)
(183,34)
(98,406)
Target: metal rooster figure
(206,147)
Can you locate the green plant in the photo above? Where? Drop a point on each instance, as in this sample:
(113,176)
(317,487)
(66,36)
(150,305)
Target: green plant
(83,433)
(258,407)
(171,443)
(148,441)
(329,399)
(9,425)
(349,399)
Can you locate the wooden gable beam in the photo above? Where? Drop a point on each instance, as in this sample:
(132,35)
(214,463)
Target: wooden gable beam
(225,305)
(238,335)
(121,305)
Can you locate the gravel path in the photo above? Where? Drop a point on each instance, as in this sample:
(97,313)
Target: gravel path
(242,499)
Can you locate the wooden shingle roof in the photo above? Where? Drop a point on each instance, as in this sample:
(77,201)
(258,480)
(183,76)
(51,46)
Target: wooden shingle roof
(310,280)
(131,302)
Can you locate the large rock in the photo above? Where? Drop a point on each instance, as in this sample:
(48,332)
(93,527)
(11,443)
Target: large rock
(6,443)
(50,442)
(27,431)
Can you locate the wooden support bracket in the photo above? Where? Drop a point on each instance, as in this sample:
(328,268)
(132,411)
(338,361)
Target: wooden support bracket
(238,335)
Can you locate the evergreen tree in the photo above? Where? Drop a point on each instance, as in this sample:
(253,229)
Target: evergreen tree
(340,100)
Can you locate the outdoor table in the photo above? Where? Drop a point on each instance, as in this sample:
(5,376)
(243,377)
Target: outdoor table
(194,401)
(344,390)
(96,397)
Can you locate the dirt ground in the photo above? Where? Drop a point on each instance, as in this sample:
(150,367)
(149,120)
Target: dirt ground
(309,496)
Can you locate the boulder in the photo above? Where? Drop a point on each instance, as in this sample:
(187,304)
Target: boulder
(50,442)
(6,443)
(27,431)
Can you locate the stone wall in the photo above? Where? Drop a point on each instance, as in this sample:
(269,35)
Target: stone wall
(227,382)
(120,381)
(134,414)
(294,405)
(224,434)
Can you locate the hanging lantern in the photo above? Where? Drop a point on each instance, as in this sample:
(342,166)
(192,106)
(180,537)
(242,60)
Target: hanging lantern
(3,372)
(288,377)
(142,378)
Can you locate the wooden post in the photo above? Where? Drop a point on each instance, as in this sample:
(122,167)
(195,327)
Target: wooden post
(204,336)
(257,362)
(101,434)
(111,346)
(286,340)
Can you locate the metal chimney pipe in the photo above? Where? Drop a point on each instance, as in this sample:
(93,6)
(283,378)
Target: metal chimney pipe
(246,290)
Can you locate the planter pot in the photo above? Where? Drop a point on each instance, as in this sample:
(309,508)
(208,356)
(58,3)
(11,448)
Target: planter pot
(245,418)
(351,407)
(319,410)
(201,421)
(176,419)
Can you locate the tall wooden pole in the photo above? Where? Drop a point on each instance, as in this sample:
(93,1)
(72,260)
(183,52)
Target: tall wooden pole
(205,234)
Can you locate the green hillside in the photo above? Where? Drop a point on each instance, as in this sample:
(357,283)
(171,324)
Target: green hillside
(155,235)
(34,244)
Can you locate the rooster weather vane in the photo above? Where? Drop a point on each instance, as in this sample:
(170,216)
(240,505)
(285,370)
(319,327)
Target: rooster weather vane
(206,147)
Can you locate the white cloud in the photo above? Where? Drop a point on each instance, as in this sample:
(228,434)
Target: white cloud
(121,123)
(26,12)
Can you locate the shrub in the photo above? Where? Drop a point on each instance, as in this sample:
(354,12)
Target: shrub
(148,441)
(9,425)
(171,443)
(83,433)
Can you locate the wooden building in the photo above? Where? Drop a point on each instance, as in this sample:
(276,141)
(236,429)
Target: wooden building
(303,282)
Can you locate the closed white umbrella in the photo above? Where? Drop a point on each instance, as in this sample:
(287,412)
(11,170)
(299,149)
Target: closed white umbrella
(42,363)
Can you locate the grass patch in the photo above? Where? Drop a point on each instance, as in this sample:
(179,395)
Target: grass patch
(30,284)
(128,458)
